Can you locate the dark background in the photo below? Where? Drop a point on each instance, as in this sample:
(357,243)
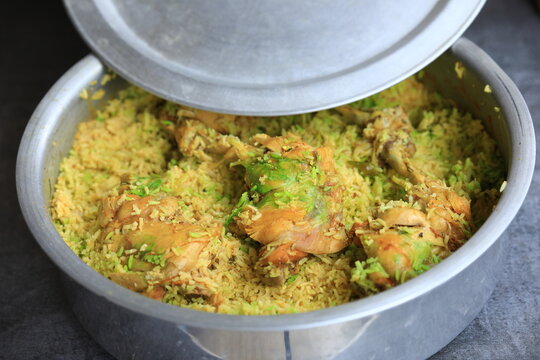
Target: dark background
(38,44)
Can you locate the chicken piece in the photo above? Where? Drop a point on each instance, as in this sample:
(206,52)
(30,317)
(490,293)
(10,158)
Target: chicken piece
(156,293)
(175,116)
(410,240)
(293,207)
(405,247)
(180,243)
(202,134)
(178,247)
(282,254)
(211,119)
(131,281)
(120,210)
(136,282)
(353,116)
(389,131)
(197,140)
(448,213)
(404,217)
(134,223)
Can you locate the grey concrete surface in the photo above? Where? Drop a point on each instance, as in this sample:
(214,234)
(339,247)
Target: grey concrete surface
(38,44)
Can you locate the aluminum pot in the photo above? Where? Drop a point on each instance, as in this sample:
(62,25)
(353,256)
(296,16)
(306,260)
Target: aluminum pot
(412,320)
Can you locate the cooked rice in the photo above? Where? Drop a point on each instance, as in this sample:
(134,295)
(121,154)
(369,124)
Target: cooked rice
(125,137)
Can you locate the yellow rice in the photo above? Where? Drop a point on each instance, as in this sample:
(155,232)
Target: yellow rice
(126,138)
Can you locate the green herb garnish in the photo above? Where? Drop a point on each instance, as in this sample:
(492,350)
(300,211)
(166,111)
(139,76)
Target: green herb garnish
(291,279)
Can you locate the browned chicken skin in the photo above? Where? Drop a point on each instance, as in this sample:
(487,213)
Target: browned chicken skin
(410,237)
(293,207)
(134,222)
(401,247)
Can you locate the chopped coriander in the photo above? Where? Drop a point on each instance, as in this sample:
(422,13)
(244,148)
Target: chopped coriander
(197,234)
(156,259)
(87,178)
(145,186)
(244,199)
(362,270)
(291,278)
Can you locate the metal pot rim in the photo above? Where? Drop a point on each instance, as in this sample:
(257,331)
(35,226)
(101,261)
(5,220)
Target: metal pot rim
(31,197)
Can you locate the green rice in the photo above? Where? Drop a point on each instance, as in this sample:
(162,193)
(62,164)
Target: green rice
(126,138)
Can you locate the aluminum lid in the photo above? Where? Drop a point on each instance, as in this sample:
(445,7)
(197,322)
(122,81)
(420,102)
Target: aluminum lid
(269,57)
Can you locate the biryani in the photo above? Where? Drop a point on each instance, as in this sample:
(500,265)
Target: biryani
(252,215)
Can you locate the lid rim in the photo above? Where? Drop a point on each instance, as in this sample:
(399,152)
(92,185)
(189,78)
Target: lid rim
(286,99)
